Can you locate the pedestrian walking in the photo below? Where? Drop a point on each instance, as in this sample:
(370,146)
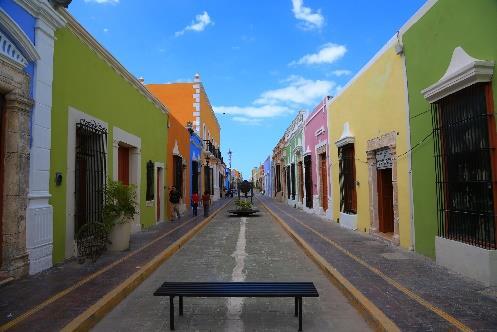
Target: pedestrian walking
(174,198)
(206,202)
(195,200)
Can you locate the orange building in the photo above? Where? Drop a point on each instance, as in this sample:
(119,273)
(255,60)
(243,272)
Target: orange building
(190,105)
(178,159)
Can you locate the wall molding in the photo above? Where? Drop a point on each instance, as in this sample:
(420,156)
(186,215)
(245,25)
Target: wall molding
(28,51)
(462,72)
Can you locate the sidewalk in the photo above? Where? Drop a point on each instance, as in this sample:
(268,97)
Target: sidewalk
(51,299)
(413,292)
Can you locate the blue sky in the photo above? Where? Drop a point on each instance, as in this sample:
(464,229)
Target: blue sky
(260,60)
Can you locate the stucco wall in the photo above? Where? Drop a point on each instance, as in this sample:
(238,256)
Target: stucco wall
(374,104)
(179,135)
(315,122)
(84,81)
(471,25)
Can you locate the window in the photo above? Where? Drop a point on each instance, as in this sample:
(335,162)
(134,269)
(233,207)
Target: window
(465,166)
(348,195)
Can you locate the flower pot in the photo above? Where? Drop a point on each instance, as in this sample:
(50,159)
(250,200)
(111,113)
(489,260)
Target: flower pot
(119,236)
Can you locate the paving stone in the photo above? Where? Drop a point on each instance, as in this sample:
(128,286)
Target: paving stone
(269,255)
(21,295)
(460,297)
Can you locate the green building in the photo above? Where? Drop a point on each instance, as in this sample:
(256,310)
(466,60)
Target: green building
(294,171)
(450,48)
(105,124)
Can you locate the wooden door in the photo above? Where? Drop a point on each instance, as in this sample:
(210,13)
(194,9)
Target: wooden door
(385,200)
(159,191)
(324,181)
(123,165)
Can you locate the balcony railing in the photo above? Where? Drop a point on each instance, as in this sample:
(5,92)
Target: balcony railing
(208,146)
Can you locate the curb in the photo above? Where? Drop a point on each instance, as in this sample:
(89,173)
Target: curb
(377,316)
(91,316)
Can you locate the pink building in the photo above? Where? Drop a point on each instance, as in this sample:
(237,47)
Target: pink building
(317,193)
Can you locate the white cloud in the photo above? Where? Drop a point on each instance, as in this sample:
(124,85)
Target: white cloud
(341,72)
(298,92)
(199,24)
(113,2)
(328,54)
(106,30)
(310,19)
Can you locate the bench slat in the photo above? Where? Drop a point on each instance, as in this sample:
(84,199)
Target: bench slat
(238,289)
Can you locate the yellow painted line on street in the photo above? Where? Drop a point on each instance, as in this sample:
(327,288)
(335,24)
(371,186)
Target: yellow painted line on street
(378,316)
(80,283)
(449,318)
(91,316)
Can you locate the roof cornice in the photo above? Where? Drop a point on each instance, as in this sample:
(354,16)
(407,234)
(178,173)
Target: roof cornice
(42,9)
(88,39)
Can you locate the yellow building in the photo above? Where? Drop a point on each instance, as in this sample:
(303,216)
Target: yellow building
(369,140)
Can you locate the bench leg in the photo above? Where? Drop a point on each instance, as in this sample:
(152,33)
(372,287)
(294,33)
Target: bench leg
(300,314)
(181,305)
(296,307)
(171,313)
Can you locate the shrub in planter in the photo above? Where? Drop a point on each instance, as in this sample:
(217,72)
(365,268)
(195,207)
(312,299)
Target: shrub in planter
(118,212)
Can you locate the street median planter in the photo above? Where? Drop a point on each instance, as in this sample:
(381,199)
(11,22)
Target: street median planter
(243,212)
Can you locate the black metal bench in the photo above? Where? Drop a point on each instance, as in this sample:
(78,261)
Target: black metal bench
(297,290)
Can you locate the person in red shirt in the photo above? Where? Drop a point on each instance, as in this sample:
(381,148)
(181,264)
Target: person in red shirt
(206,202)
(195,201)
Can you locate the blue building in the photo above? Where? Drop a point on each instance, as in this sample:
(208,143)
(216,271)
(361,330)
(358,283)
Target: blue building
(26,70)
(196,147)
(227,179)
(268,188)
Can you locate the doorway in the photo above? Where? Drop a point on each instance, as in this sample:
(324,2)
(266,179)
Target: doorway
(123,164)
(324,181)
(385,201)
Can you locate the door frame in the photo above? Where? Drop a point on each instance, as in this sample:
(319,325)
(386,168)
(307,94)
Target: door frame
(386,141)
(133,142)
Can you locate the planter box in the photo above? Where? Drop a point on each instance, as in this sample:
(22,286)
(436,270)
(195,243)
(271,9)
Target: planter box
(119,236)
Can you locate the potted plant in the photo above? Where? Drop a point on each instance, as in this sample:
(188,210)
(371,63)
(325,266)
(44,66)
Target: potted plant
(118,212)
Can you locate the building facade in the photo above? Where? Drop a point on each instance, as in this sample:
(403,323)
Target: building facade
(196,148)
(189,103)
(452,100)
(294,168)
(96,102)
(317,189)
(26,68)
(278,165)
(178,167)
(268,181)
(369,142)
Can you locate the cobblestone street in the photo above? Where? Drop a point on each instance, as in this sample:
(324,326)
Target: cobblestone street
(237,249)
